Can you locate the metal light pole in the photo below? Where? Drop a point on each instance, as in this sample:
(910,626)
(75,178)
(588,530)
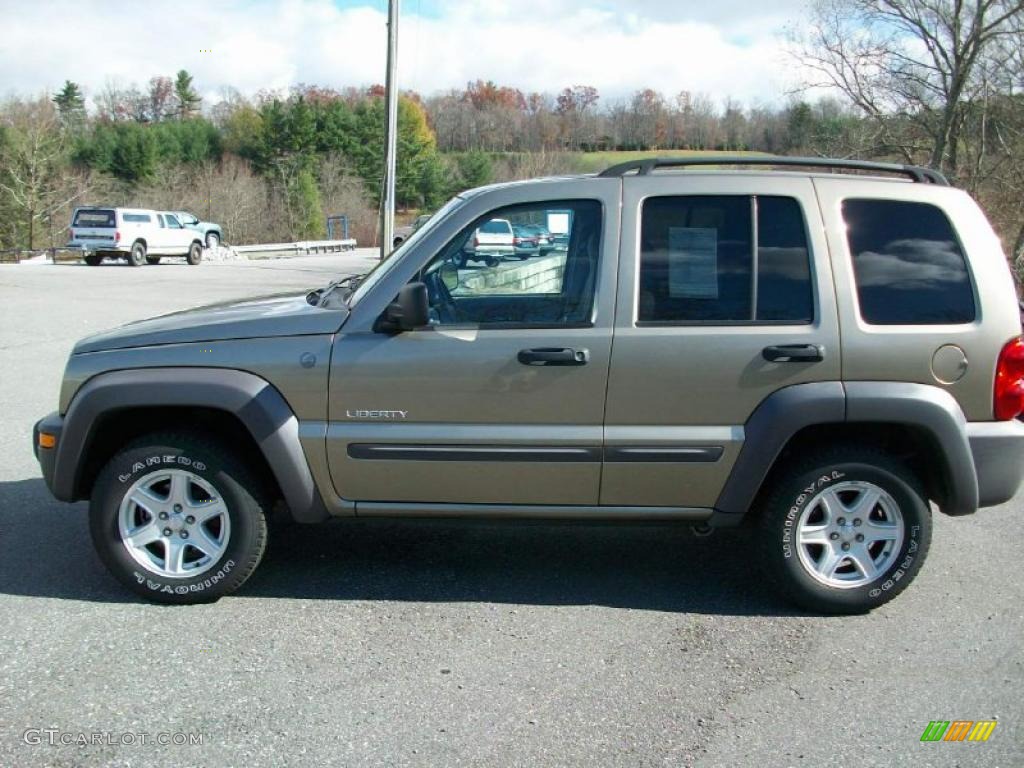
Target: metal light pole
(387,227)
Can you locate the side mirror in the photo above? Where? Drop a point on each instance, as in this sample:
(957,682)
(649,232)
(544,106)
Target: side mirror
(450,275)
(410,310)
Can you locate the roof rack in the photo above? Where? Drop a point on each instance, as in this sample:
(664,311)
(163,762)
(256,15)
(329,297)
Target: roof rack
(644,167)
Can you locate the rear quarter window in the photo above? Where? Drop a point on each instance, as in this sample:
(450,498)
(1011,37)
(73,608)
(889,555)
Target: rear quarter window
(908,264)
(94,218)
(138,218)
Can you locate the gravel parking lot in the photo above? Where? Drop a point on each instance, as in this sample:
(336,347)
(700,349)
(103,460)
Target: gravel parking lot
(431,643)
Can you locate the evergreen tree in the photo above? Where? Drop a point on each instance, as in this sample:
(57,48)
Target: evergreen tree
(70,105)
(188,99)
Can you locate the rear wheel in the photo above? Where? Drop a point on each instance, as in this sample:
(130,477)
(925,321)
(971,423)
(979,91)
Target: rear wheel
(93,259)
(152,259)
(491,261)
(845,531)
(138,254)
(195,254)
(176,518)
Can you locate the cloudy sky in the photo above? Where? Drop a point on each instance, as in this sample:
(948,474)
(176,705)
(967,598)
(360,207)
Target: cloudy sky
(719,47)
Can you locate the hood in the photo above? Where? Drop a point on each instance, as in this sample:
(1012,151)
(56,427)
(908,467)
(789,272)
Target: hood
(279,315)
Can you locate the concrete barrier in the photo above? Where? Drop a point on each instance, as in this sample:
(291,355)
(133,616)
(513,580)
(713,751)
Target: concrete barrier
(538,275)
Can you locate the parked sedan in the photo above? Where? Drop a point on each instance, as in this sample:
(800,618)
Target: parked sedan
(526,242)
(545,240)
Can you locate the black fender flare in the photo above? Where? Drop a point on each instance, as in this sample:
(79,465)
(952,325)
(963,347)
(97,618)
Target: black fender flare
(782,414)
(252,400)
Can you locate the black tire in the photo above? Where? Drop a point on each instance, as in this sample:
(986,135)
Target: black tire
(492,261)
(796,490)
(137,257)
(245,499)
(397,242)
(93,259)
(463,261)
(152,259)
(212,240)
(195,253)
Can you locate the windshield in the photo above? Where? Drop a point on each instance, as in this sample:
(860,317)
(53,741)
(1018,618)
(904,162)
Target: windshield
(378,272)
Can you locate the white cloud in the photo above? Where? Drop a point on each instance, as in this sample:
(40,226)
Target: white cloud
(728,48)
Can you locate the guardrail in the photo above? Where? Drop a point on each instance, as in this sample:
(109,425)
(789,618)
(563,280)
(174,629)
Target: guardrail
(302,246)
(16,255)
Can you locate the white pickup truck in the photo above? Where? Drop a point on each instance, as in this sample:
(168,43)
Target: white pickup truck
(491,242)
(136,234)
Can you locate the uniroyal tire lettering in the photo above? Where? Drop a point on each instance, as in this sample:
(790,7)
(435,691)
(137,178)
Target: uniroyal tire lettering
(184,589)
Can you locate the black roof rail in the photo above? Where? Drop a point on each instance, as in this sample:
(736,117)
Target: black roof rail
(645,166)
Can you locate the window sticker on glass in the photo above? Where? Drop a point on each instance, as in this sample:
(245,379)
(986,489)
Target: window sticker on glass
(693,262)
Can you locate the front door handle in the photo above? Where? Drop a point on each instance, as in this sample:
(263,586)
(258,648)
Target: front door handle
(553,356)
(794,353)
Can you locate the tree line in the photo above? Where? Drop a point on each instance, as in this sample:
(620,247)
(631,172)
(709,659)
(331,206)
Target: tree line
(937,83)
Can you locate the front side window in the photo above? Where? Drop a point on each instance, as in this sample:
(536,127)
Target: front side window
(489,275)
(907,263)
(172,222)
(724,259)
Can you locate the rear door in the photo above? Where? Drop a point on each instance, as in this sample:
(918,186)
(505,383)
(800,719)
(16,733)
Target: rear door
(716,273)
(501,400)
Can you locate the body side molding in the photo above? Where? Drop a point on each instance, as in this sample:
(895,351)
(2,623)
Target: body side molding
(256,403)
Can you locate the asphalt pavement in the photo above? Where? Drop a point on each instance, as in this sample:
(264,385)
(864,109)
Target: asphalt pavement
(463,644)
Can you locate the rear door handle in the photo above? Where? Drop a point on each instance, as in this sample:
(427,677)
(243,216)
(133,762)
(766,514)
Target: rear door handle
(794,353)
(553,356)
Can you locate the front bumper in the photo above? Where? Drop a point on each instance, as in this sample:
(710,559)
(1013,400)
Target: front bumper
(998,451)
(52,424)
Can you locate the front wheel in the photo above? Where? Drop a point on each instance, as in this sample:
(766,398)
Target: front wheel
(178,519)
(195,254)
(845,531)
(212,240)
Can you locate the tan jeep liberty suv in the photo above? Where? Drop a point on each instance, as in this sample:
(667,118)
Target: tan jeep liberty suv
(822,349)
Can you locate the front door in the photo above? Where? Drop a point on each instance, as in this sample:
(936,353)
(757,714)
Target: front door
(501,400)
(724,297)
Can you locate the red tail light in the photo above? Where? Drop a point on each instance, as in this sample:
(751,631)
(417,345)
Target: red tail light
(71,235)
(517,241)
(1008,397)
(117,236)
(476,242)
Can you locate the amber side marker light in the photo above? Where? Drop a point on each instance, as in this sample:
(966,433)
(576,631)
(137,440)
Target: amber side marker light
(47,441)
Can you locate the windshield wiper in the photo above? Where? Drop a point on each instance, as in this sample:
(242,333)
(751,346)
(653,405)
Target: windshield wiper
(319,296)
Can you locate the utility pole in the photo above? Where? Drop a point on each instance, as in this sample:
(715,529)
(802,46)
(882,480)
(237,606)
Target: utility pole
(387,227)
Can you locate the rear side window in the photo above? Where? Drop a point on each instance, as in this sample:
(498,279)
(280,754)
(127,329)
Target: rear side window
(138,218)
(94,218)
(908,264)
(724,259)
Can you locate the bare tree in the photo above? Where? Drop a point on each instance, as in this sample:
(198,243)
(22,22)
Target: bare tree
(32,165)
(911,66)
